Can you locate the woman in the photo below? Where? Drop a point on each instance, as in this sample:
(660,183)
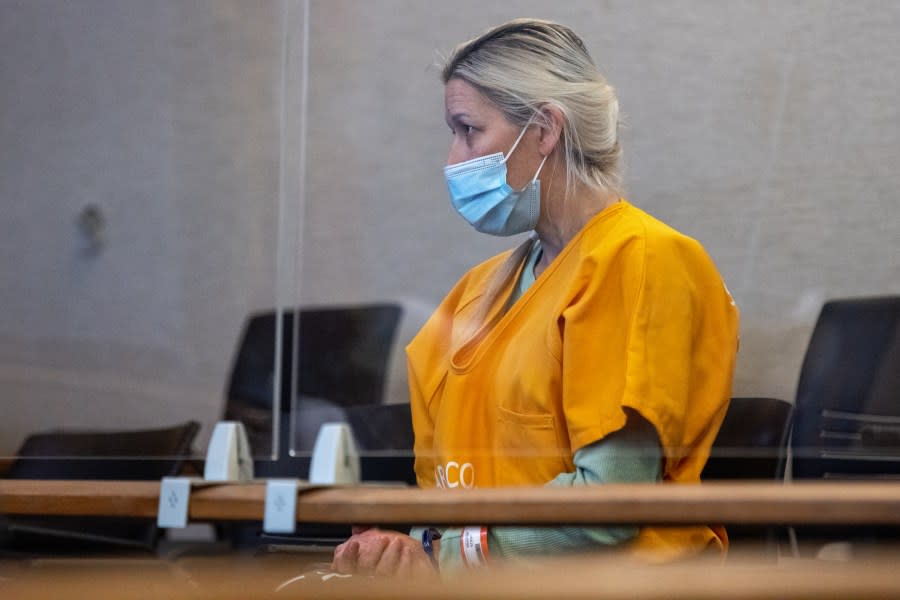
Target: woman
(600,350)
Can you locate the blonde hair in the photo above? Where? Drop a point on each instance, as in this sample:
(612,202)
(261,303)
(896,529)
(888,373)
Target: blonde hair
(522,67)
(526,65)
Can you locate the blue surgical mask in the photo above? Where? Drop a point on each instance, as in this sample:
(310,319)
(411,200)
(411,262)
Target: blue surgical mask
(480,194)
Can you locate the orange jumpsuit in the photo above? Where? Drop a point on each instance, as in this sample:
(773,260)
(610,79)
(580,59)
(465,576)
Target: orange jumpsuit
(630,314)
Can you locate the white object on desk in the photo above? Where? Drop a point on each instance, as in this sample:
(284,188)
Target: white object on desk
(228,454)
(174,497)
(280,514)
(335,459)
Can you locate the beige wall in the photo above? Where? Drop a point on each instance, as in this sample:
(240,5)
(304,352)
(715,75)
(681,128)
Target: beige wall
(768,130)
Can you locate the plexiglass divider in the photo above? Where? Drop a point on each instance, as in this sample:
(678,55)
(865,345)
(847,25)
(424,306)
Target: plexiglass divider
(153,192)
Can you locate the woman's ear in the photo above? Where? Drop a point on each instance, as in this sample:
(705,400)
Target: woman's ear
(551,129)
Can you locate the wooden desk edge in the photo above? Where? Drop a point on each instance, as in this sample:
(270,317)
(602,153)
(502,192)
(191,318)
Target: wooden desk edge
(574,577)
(719,502)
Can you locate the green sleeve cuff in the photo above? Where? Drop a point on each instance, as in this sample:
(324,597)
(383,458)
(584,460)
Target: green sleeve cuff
(450,559)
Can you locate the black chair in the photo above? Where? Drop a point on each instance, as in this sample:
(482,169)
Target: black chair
(342,366)
(120,455)
(848,396)
(847,420)
(751,444)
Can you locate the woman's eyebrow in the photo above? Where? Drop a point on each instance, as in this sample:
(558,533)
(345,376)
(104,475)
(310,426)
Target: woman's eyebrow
(457,117)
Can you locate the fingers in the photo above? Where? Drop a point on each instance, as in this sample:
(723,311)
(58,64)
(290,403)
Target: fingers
(358,529)
(371,549)
(403,557)
(382,553)
(390,558)
(414,563)
(346,557)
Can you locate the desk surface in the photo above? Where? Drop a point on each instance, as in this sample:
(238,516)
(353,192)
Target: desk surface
(549,579)
(756,502)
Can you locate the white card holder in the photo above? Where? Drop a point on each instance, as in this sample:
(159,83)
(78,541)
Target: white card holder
(228,460)
(174,499)
(280,514)
(228,454)
(335,459)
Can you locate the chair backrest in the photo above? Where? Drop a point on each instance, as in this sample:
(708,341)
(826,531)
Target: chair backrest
(751,444)
(847,422)
(342,365)
(752,441)
(342,355)
(146,454)
(109,455)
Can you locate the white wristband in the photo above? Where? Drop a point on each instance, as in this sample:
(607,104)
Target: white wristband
(474,546)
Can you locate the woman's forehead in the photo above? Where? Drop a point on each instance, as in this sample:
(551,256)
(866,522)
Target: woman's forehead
(463,99)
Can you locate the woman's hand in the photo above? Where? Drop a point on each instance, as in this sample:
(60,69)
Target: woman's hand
(378,552)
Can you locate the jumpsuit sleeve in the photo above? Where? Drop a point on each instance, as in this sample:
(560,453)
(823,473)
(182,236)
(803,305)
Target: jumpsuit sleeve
(626,456)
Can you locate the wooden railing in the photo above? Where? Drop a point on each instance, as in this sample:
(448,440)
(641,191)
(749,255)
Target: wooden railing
(597,576)
(753,502)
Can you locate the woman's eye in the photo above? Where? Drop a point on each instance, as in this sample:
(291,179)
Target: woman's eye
(463,130)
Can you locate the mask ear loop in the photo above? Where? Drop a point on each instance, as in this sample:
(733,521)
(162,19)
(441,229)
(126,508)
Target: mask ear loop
(516,143)
(533,179)
(518,139)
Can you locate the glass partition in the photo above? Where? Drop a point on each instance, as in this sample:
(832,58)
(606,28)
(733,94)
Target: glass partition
(143,182)
(204,203)
(736,152)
